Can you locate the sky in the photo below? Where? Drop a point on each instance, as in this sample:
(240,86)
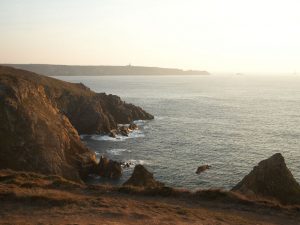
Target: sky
(255,36)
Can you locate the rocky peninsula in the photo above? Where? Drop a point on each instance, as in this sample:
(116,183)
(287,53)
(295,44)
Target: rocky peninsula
(72,70)
(43,166)
(41,119)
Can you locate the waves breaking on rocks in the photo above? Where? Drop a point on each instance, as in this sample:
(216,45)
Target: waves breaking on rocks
(138,133)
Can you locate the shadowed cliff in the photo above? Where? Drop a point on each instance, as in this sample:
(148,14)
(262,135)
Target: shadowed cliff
(40,118)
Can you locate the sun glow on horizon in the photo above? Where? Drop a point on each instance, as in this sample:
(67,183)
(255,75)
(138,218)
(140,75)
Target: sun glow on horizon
(216,35)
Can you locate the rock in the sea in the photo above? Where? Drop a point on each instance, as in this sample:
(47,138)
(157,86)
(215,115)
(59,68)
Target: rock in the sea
(202,168)
(133,126)
(109,168)
(40,118)
(113,133)
(124,130)
(126,164)
(271,179)
(142,178)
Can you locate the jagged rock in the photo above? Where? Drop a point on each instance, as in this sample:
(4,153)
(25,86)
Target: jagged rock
(271,179)
(202,168)
(34,134)
(142,178)
(124,130)
(88,112)
(126,164)
(109,168)
(133,126)
(40,118)
(113,133)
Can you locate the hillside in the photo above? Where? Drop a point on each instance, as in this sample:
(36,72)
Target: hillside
(41,119)
(29,198)
(66,70)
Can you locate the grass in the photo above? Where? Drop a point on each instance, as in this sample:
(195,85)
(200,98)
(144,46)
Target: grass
(33,187)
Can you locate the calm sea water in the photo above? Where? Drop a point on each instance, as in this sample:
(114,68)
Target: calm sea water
(230,123)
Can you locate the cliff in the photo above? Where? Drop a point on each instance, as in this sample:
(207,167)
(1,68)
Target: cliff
(40,118)
(66,70)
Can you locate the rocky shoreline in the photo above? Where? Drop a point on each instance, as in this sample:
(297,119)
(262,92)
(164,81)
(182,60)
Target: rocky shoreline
(41,119)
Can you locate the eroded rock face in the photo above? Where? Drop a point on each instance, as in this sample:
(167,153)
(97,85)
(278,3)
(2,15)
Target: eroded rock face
(92,113)
(141,177)
(40,118)
(108,168)
(271,179)
(34,134)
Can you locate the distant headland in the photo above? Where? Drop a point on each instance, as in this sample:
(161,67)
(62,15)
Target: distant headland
(75,70)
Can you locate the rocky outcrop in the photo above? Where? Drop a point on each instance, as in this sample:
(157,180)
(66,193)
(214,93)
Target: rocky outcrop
(88,112)
(123,130)
(142,178)
(108,168)
(271,179)
(202,168)
(40,118)
(133,126)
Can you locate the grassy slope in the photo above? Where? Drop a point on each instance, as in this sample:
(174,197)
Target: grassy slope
(29,198)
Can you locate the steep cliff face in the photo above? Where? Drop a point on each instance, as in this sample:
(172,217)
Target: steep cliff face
(39,119)
(271,179)
(89,112)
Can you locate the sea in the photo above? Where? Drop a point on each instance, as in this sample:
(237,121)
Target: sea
(228,122)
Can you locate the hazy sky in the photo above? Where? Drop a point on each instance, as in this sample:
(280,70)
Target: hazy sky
(215,35)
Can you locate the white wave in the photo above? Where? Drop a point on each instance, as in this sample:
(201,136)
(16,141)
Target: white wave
(146,127)
(117,151)
(159,118)
(133,134)
(82,136)
(139,122)
(139,161)
(123,124)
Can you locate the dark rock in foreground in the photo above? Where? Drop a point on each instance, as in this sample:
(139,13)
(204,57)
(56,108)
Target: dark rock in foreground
(142,178)
(108,168)
(40,118)
(271,179)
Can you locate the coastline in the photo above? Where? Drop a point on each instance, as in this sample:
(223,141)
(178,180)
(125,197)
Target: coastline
(53,112)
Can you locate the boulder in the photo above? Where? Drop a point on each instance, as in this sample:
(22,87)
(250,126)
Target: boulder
(124,130)
(113,133)
(108,168)
(141,177)
(271,179)
(202,168)
(133,126)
